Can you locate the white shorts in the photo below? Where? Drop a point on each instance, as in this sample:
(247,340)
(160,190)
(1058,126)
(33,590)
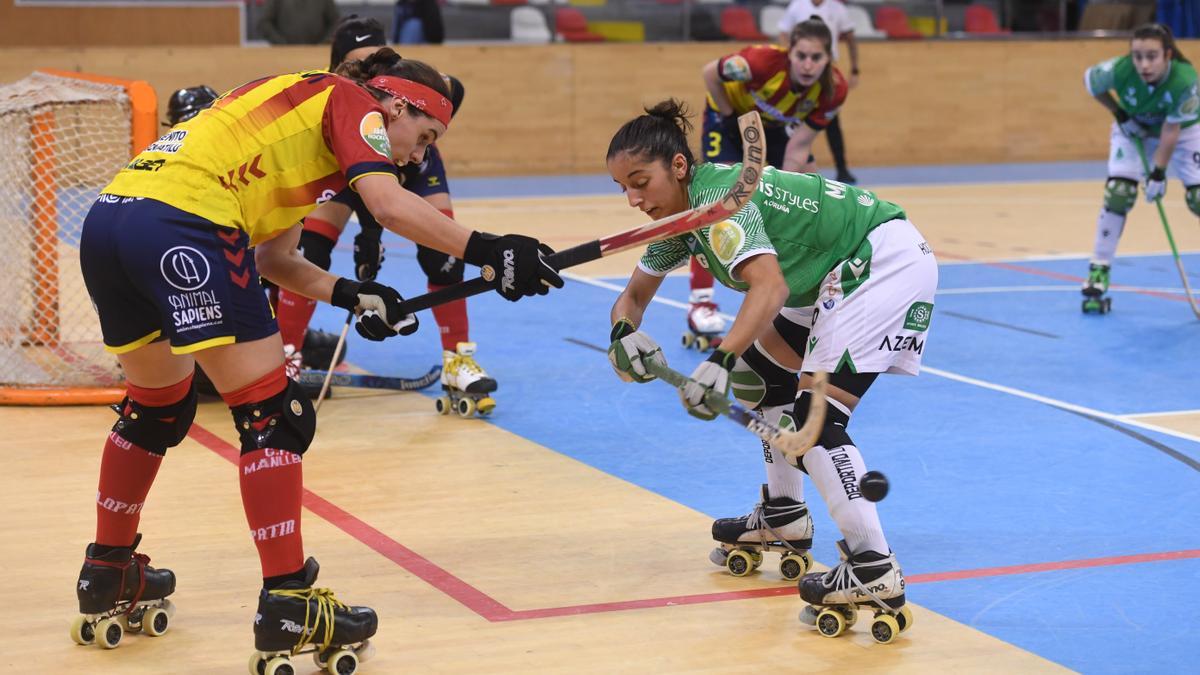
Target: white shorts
(1123,160)
(873,311)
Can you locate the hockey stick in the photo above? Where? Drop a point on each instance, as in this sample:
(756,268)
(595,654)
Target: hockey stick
(371,381)
(337,351)
(753,155)
(793,443)
(1162,215)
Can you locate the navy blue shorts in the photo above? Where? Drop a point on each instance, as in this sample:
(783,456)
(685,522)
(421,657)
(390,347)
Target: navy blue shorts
(721,140)
(155,272)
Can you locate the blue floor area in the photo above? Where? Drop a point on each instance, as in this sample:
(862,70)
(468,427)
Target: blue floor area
(979,478)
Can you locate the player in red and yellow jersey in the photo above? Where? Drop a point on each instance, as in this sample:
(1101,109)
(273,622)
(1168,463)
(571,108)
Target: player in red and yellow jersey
(165,253)
(797,91)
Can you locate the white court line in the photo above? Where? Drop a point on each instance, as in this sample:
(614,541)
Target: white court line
(1162,413)
(1062,405)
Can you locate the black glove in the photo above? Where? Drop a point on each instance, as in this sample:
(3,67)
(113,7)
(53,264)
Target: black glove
(368,253)
(377,307)
(515,265)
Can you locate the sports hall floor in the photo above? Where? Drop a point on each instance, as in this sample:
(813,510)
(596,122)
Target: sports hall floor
(1045,473)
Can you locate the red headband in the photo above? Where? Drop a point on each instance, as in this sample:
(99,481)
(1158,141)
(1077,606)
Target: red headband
(423,98)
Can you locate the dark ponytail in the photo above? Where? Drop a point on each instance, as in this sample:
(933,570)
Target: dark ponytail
(1160,32)
(814,28)
(388,62)
(660,134)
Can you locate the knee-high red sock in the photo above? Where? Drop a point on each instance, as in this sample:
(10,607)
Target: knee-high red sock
(272,485)
(127,471)
(293,314)
(701,277)
(452,320)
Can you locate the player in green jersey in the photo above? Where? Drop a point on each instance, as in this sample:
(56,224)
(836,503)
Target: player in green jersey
(835,280)
(1155,100)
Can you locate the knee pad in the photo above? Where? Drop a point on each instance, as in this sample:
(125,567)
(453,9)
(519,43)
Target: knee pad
(1192,196)
(1120,194)
(285,421)
(440,268)
(156,428)
(317,249)
(833,431)
(757,381)
(792,333)
(855,384)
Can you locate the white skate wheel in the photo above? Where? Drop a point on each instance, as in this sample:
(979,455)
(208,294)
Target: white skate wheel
(717,556)
(82,631)
(466,407)
(343,662)
(280,665)
(443,405)
(365,651)
(156,621)
(109,633)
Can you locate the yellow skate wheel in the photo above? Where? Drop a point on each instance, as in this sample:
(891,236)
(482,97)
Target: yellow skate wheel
(280,665)
(757,558)
(444,405)
(702,343)
(831,623)
(109,633)
(466,407)
(156,621)
(851,615)
(688,339)
(485,405)
(793,566)
(739,563)
(343,662)
(905,618)
(82,631)
(884,628)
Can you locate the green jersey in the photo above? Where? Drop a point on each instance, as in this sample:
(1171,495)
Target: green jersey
(809,223)
(1174,99)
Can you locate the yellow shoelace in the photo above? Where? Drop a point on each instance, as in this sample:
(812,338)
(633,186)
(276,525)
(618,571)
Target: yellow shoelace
(326,605)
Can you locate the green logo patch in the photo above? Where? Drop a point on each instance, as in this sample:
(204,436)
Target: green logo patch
(918,317)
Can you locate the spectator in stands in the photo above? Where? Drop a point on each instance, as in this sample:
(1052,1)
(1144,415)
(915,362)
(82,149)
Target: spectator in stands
(298,22)
(418,21)
(833,13)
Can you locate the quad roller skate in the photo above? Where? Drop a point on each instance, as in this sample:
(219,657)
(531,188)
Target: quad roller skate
(118,592)
(1095,290)
(298,619)
(705,325)
(779,524)
(868,579)
(468,387)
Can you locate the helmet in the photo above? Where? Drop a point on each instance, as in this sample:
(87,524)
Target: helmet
(186,103)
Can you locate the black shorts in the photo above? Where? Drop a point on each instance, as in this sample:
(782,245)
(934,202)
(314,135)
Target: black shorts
(155,272)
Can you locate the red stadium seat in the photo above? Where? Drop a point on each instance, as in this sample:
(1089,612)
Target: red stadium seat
(572,26)
(981,20)
(737,23)
(894,22)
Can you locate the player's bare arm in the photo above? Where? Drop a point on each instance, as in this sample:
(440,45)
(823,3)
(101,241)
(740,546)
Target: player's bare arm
(768,291)
(799,149)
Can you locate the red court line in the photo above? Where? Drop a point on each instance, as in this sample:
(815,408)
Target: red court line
(493,610)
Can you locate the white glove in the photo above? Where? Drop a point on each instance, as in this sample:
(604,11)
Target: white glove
(1156,184)
(629,351)
(712,375)
(1129,126)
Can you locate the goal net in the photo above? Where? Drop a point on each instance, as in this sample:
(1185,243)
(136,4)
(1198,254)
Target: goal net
(62,138)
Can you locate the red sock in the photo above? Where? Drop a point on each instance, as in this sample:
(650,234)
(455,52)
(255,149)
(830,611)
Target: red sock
(293,314)
(701,277)
(272,484)
(452,319)
(127,471)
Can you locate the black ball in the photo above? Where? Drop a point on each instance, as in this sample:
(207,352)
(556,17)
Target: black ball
(873,486)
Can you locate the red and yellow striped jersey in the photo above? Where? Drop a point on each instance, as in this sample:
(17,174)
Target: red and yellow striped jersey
(265,154)
(769,90)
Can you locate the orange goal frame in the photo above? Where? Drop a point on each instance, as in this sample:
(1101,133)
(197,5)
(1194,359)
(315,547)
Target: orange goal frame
(144,129)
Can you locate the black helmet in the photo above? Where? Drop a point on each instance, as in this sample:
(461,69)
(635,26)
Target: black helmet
(186,103)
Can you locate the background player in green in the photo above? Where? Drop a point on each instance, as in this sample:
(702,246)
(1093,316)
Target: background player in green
(836,281)
(1155,100)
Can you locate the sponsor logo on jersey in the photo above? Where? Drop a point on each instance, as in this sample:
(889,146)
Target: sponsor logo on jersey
(195,309)
(918,317)
(184,268)
(169,143)
(857,267)
(375,133)
(900,343)
(280,529)
(326,195)
(1190,106)
(735,69)
(828,304)
(845,468)
(865,199)
(726,239)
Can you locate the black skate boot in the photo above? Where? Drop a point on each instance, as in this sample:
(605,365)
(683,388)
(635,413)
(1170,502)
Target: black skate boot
(317,350)
(297,619)
(119,591)
(1095,290)
(870,579)
(779,524)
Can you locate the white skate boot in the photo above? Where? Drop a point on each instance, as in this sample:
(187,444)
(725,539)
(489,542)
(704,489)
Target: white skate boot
(870,579)
(779,524)
(705,325)
(468,387)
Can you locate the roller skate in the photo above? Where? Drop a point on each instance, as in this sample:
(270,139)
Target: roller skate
(1095,289)
(468,387)
(118,592)
(779,524)
(318,348)
(869,579)
(299,619)
(705,325)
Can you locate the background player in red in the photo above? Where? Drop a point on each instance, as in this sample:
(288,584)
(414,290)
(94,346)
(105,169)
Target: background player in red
(798,92)
(165,256)
(356,38)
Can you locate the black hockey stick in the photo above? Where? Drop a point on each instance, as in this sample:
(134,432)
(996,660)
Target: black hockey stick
(371,381)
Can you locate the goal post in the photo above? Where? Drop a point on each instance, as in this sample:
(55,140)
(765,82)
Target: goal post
(63,136)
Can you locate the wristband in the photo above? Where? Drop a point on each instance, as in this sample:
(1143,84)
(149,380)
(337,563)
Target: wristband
(345,293)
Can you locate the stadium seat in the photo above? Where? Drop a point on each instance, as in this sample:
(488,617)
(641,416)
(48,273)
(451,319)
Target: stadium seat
(737,23)
(528,25)
(768,19)
(981,20)
(572,26)
(894,22)
(860,18)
